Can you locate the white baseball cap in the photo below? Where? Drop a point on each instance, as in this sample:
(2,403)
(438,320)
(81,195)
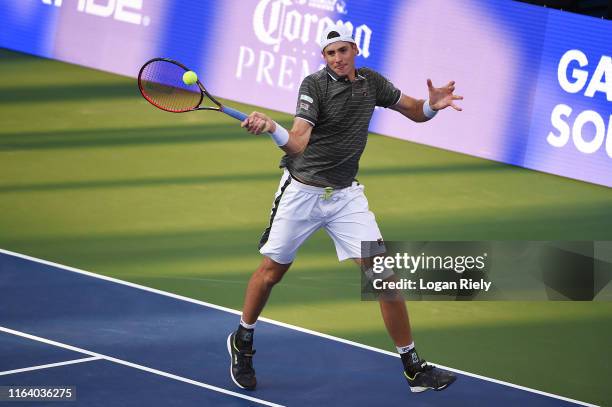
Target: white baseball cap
(335,33)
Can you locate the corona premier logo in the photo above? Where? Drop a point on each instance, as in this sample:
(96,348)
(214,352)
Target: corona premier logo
(275,21)
(290,30)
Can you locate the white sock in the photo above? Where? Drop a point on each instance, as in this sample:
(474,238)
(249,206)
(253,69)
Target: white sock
(247,326)
(405,349)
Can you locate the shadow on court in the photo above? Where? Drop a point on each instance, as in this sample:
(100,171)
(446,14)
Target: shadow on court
(65,93)
(118,137)
(242,178)
(140,182)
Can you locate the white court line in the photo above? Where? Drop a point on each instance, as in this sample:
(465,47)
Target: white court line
(39,367)
(96,355)
(271,321)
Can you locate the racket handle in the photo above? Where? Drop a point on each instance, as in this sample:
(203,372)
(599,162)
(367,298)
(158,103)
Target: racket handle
(234,113)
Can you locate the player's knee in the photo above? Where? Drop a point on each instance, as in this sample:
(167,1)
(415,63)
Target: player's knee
(272,277)
(272,273)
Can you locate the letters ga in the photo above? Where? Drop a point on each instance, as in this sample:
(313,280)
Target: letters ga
(578,80)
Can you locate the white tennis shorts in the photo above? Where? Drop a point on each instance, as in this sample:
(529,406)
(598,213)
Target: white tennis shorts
(299,210)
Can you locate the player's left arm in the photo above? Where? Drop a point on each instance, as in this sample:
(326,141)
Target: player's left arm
(439,98)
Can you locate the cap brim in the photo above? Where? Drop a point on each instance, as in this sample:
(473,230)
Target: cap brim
(336,39)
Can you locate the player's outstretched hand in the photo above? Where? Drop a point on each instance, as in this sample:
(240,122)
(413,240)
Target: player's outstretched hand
(258,123)
(441,98)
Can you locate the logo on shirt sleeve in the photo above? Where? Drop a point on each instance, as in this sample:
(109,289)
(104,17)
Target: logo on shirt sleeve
(306,98)
(304,106)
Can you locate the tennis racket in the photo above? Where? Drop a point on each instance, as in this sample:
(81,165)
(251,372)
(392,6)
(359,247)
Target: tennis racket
(160,81)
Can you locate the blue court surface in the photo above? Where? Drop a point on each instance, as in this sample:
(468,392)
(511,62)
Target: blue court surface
(120,344)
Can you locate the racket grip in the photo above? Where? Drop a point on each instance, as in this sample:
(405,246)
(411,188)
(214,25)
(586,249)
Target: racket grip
(234,113)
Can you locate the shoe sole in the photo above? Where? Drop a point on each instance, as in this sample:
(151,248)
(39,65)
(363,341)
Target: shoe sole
(229,350)
(422,389)
(419,389)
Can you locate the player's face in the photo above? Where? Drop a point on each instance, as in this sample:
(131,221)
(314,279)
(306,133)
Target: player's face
(340,57)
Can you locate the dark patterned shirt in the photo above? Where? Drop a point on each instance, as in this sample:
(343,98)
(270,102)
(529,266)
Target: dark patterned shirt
(340,111)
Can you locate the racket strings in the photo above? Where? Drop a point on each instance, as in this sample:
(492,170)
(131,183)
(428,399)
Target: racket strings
(162,84)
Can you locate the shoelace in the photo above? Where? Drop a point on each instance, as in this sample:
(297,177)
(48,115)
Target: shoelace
(424,367)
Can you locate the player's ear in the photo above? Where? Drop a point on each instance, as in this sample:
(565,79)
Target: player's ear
(356,49)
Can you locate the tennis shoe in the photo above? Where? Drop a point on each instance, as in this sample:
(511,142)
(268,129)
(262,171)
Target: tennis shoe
(428,377)
(241,365)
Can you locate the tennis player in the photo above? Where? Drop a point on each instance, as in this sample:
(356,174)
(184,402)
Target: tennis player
(318,190)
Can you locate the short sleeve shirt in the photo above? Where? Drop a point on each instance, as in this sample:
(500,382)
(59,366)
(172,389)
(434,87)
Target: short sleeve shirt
(340,112)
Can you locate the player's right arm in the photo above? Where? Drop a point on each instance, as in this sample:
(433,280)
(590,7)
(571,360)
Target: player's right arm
(298,136)
(292,142)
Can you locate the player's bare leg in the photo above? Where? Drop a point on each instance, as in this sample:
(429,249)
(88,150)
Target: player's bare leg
(240,342)
(267,275)
(395,316)
(420,375)
(394,313)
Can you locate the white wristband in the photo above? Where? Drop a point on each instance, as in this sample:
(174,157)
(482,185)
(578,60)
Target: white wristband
(280,135)
(428,111)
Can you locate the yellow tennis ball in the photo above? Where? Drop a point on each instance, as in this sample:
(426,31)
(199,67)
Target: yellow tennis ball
(190,78)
